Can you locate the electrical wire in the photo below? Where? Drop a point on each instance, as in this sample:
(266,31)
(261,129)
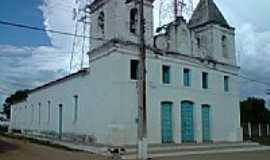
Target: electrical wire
(253,80)
(47,30)
(8,23)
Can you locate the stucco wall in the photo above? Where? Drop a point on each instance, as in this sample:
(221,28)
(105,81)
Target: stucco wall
(225,114)
(108,101)
(97,101)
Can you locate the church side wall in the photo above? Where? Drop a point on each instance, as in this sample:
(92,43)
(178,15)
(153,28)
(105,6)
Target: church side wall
(107,100)
(96,105)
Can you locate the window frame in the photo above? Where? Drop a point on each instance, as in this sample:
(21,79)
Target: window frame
(166,79)
(198,41)
(49,111)
(32,113)
(226,83)
(137,64)
(187,81)
(133,20)
(224,46)
(205,80)
(39,113)
(76,108)
(101,22)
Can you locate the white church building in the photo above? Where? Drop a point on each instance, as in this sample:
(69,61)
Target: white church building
(192,82)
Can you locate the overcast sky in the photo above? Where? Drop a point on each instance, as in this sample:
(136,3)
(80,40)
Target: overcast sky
(30,58)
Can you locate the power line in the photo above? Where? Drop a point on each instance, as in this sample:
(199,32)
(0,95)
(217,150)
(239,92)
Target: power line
(254,80)
(47,30)
(90,37)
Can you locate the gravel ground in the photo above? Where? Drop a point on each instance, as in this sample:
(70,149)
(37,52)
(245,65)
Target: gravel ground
(11,149)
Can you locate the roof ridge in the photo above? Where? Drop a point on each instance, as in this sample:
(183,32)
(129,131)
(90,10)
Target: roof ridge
(207,12)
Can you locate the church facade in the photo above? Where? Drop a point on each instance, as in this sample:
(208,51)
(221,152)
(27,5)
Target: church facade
(192,82)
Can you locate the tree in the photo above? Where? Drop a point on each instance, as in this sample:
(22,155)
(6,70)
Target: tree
(253,110)
(12,99)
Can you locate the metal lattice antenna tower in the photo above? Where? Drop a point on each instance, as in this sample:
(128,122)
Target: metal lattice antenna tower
(189,8)
(171,9)
(80,44)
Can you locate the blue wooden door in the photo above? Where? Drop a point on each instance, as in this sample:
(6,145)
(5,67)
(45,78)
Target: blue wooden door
(166,123)
(187,122)
(206,123)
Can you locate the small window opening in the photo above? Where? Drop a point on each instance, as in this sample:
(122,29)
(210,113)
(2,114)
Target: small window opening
(226,84)
(205,80)
(101,20)
(134,69)
(32,113)
(187,77)
(166,74)
(224,47)
(49,111)
(198,43)
(75,108)
(39,113)
(133,20)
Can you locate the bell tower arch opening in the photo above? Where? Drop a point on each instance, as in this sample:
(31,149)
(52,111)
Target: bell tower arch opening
(119,20)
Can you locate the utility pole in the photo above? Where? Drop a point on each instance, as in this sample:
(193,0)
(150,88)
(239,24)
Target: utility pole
(142,125)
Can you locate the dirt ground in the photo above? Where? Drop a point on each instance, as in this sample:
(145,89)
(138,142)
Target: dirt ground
(261,155)
(11,149)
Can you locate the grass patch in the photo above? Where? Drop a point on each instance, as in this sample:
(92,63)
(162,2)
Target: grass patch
(37,141)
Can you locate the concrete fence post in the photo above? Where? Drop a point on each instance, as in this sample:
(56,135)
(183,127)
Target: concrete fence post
(249,130)
(260,129)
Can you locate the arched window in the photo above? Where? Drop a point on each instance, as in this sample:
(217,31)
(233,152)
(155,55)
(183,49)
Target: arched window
(224,46)
(101,25)
(133,24)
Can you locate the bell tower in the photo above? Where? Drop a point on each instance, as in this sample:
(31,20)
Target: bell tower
(215,38)
(119,19)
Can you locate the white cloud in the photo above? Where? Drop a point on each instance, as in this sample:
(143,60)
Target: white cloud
(58,15)
(27,67)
